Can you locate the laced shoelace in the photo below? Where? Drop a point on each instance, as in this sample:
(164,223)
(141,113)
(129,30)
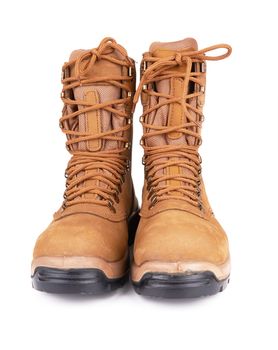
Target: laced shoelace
(157,158)
(106,167)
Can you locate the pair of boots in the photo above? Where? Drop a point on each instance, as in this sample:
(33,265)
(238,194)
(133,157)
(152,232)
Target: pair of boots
(180,250)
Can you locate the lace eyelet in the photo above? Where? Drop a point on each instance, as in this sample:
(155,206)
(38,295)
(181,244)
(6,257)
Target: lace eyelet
(119,188)
(150,189)
(153,201)
(111,206)
(203,67)
(122,178)
(202,118)
(116,196)
(144,65)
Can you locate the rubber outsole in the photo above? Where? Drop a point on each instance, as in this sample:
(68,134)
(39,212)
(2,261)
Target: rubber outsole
(79,281)
(179,285)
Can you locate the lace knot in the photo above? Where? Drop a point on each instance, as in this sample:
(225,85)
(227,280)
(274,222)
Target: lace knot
(178,58)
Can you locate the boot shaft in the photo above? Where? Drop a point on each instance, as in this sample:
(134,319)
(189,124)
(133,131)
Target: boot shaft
(172,86)
(101,82)
(98,87)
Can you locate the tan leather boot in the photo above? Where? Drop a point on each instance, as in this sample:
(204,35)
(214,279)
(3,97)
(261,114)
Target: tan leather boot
(85,248)
(180,248)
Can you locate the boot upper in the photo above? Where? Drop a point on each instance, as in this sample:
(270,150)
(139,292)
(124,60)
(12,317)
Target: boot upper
(98,87)
(177,222)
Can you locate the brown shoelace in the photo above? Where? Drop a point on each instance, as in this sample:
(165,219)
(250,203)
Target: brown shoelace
(158,158)
(106,167)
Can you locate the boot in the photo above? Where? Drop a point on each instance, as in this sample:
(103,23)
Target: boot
(85,248)
(180,249)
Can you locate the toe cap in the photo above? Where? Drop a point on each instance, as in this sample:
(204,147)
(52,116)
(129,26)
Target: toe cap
(175,235)
(83,235)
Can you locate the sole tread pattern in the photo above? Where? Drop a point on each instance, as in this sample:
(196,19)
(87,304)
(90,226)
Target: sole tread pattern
(179,285)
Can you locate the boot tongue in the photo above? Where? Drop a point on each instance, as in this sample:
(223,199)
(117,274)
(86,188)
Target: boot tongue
(173,114)
(98,121)
(159,49)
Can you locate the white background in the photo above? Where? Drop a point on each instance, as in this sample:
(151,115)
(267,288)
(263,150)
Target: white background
(239,160)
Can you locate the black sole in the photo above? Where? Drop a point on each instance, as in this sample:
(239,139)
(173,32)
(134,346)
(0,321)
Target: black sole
(79,281)
(179,285)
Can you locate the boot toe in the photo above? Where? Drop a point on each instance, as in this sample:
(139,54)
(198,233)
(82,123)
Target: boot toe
(176,236)
(82,235)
